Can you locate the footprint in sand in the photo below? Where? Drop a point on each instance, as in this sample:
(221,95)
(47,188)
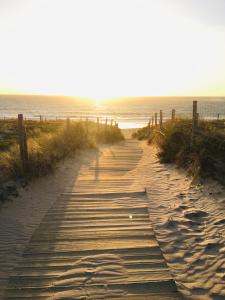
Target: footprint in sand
(210,246)
(195,214)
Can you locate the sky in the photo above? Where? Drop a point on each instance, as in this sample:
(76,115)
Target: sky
(109,48)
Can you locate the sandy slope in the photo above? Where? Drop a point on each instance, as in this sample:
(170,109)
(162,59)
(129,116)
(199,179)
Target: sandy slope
(19,219)
(190,224)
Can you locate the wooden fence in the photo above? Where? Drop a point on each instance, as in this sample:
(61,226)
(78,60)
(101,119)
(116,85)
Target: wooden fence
(22,134)
(217,125)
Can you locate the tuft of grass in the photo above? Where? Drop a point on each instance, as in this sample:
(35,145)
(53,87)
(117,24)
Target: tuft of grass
(141,133)
(201,157)
(109,136)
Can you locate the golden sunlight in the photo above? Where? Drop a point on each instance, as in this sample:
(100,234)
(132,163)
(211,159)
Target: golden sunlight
(103,49)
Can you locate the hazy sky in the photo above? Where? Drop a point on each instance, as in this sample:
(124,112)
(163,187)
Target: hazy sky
(107,48)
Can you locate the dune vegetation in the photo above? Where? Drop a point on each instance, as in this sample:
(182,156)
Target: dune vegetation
(48,143)
(203,155)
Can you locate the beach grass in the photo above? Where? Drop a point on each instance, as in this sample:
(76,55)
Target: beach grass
(202,156)
(48,143)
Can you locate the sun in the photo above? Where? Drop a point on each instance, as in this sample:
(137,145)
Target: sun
(101,97)
(99,100)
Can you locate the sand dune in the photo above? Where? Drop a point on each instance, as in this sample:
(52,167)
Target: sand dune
(189,221)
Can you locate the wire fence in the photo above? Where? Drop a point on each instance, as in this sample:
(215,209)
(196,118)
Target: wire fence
(211,112)
(198,116)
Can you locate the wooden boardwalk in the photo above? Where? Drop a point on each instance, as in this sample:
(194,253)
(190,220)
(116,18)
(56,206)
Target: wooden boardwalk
(96,242)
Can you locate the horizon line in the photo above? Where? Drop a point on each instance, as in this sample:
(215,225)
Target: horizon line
(116,97)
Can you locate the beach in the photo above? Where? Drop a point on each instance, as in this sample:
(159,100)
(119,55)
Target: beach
(187,218)
(112,150)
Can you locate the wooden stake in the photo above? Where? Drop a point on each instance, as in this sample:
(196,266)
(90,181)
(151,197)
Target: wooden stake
(98,123)
(173,114)
(161,119)
(67,123)
(149,126)
(194,119)
(156,119)
(23,142)
(87,129)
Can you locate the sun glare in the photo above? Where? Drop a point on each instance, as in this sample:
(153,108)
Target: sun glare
(104,49)
(99,100)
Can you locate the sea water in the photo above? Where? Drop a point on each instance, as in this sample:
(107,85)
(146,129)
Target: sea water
(128,112)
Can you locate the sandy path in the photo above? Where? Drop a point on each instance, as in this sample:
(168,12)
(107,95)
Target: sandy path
(96,241)
(190,224)
(188,220)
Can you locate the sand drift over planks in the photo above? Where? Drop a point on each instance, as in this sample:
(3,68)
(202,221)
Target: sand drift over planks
(88,249)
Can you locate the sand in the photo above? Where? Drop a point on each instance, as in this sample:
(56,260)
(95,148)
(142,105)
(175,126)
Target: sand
(96,241)
(188,220)
(20,218)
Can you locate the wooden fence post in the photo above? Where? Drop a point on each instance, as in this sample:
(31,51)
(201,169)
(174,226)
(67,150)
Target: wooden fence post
(161,119)
(87,129)
(194,119)
(173,114)
(149,126)
(98,123)
(68,123)
(106,123)
(23,142)
(156,119)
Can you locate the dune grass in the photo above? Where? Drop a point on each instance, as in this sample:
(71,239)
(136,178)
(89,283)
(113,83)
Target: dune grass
(48,143)
(202,157)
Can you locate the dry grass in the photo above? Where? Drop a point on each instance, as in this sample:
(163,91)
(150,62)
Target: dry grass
(48,143)
(202,157)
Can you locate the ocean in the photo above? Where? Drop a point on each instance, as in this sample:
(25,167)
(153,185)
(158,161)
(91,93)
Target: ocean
(129,112)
